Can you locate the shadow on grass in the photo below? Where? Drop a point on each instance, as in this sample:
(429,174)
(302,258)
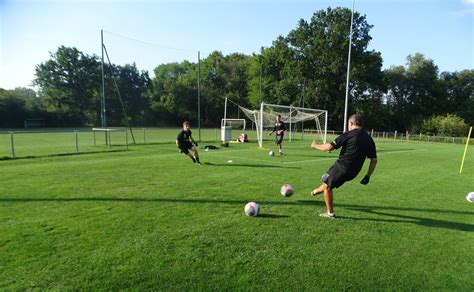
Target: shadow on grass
(428,222)
(395,150)
(312,156)
(272,216)
(158,200)
(423,221)
(248,165)
(61,154)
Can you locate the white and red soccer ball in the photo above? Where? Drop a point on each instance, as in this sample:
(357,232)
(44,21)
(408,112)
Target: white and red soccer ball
(252,209)
(287,190)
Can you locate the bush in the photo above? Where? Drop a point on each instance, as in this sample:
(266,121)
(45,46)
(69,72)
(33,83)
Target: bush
(449,125)
(453,126)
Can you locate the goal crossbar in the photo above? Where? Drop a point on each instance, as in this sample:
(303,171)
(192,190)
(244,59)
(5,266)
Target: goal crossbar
(265,117)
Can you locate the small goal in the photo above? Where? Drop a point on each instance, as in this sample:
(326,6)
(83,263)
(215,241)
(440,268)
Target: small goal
(108,136)
(227,125)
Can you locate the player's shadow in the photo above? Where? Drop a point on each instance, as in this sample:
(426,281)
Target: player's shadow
(428,222)
(249,165)
(315,155)
(380,216)
(272,216)
(395,150)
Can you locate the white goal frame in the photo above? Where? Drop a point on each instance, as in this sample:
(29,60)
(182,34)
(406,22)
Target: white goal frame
(108,138)
(316,112)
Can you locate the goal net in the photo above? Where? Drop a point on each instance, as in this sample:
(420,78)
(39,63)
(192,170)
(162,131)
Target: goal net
(293,117)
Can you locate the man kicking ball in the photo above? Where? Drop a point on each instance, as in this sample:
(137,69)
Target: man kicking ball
(184,143)
(356,145)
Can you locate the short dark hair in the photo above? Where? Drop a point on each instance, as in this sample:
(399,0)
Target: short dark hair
(357,120)
(185,123)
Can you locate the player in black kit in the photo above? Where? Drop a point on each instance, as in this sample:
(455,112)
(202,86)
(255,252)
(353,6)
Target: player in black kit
(356,145)
(280,132)
(184,143)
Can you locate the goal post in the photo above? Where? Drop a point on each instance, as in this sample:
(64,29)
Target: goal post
(292,115)
(265,117)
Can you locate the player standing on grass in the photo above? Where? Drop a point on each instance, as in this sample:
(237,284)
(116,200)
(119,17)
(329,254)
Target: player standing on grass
(280,132)
(184,143)
(356,145)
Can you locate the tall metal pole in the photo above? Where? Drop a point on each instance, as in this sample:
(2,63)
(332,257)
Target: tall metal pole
(102,103)
(302,105)
(348,68)
(261,98)
(103,113)
(199,94)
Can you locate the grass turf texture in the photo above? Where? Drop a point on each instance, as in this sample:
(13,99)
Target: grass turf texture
(149,218)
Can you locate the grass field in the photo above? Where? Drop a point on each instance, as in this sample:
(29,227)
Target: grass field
(149,218)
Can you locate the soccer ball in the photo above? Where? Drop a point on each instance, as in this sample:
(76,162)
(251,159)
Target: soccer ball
(470,197)
(252,209)
(271,153)
(287,190)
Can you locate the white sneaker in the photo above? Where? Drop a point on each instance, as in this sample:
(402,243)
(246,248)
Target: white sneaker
(327,215)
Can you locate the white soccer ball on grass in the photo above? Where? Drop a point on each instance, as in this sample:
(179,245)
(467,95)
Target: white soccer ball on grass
(287,190)
(470,197)
(271,153)
(252,209)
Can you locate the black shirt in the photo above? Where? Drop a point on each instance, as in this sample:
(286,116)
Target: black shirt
(356,145)
(184,137)
(279,126)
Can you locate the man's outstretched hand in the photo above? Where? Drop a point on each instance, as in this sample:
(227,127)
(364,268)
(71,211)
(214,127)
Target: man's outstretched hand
(365,180)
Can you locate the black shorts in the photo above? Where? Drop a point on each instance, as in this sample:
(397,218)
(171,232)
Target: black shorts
(185,148)
(278,139)
(336,176)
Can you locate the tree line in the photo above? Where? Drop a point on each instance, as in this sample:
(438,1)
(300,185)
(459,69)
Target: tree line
(307,67)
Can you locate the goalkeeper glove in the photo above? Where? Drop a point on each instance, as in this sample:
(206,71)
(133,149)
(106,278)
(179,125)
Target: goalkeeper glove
(365,180)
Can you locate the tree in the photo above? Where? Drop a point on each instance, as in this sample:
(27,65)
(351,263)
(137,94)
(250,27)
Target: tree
(70,84)
(135,89)
(19,104)
(175,92)
(427,97)
(459,88)
(315,53)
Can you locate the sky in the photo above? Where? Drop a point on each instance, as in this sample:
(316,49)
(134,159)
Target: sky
(152,32)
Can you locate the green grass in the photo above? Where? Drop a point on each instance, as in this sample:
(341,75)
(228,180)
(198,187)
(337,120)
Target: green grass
(149,218)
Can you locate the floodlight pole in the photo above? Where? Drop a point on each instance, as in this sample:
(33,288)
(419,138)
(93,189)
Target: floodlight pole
(348,69)
(261,98)
(102,104)
(199,94)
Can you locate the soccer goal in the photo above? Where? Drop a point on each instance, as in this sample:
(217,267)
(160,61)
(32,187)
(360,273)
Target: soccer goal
(108,135)
(265,117)
(227,125)
(234,119)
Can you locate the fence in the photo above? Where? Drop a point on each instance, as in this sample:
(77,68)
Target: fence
(21,143)
(15,144)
